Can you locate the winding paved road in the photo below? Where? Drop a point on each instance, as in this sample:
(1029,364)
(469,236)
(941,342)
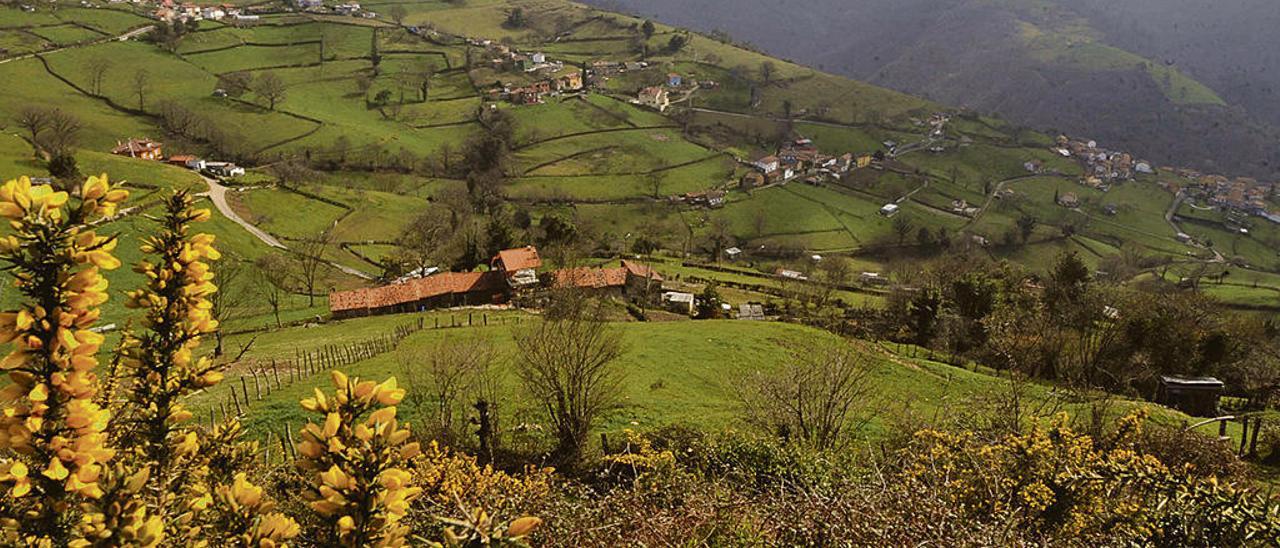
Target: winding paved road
(218,194)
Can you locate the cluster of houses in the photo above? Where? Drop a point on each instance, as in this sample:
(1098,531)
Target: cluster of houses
(168,10)
(513,272)
(539,76)
(1243,195)
(1239,198)
(350,9)
(147,149)
(801,158)
(1102,167)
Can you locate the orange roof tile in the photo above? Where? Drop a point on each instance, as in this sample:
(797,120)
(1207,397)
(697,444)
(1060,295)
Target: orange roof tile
(519,259)
(589,278)
(640,270)
(448,283)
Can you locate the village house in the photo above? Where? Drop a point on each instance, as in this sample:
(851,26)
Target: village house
(630,280)
(890,210)
(518,266)
(753,179)
(145,149)
(674,80)
(1069,200)
(706,198)
(655,98)
(223,169)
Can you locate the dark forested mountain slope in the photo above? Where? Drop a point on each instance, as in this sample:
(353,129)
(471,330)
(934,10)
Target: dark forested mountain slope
(1186,82)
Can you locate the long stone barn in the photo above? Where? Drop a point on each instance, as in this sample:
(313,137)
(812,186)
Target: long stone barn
(445,290)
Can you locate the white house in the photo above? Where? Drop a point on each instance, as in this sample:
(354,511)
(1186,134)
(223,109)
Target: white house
(768,164)
(890,210)
(655,98)
(224,169)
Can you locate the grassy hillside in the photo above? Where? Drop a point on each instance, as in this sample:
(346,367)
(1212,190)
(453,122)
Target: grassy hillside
(597,159)
(672,374)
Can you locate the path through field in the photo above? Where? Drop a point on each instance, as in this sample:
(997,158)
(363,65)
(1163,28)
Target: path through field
(218,194)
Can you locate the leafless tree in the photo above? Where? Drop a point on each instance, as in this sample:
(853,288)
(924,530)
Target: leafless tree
(62,132)
(274,276)
(814,397)
(311,260)
(568,364)
(232,296)
(142,87)
(33,119)
(442,382)
(98,69)
(398,13)
(425,240)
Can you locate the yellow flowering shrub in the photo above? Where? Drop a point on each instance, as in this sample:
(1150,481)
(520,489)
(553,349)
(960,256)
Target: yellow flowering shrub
(51,429)
(1063,484)
(448,478)
(161,362)
(357,459)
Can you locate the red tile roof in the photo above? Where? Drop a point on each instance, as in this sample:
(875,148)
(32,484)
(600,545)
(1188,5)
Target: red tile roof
(135,146)
(519,259)
(641,270)
(448,283)
(589,278)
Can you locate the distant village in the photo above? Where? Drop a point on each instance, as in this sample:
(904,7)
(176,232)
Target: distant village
(1239,198)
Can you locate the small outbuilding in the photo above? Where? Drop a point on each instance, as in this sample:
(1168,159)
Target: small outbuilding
(1195,396)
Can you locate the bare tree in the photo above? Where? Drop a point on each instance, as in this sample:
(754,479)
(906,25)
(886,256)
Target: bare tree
(98,69)
(62,133)
(767,72)
(34,120)
(311,259)
(142,87)
(568,364)
(813,397)
(425,240)
(274,275)
(270,88)
(441,382)
(398,13)
(232,296)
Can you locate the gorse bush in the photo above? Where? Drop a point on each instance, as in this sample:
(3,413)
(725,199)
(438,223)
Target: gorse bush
(85,462)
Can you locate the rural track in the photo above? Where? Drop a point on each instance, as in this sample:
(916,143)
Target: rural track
(218,195)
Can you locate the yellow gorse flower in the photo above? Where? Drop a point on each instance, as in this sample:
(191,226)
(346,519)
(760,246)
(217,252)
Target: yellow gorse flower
(359,452)
(50,424)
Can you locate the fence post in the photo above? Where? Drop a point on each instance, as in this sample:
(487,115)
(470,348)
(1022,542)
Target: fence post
(244,386)
(288,434)
(257,386)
